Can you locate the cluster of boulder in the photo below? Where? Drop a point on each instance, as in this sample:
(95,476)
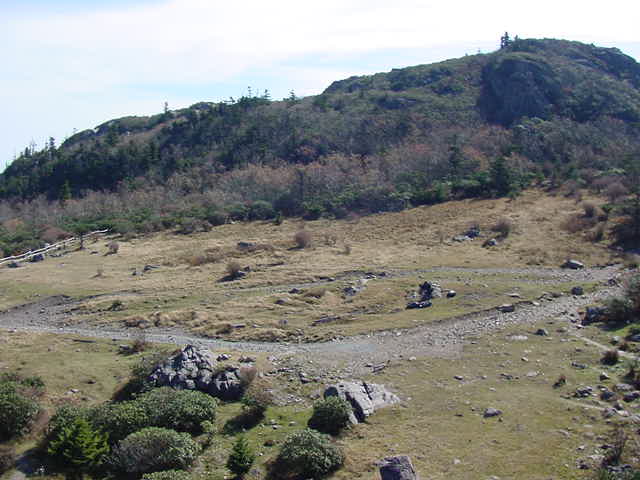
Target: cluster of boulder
(194,368)
(427,292)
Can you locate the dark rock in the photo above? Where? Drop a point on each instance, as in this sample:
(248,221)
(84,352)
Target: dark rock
(451,293)
(631,396)
(542,332)
(355,288)
(397,468)
(623,387)
(593,314)
(223,357)
(492,242)
(430,290)
(634,338)
(365,398)
(13,265)
(583,392)
(227,384)
(507,308)
(572,264)
(38,257)
(608,396)
(295,291)
(473,232)
(418,305)
(579,366)
(577,291)
(246,245)
(492,412)
(148,268)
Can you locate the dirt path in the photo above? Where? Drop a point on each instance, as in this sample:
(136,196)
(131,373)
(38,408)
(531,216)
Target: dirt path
(442,338)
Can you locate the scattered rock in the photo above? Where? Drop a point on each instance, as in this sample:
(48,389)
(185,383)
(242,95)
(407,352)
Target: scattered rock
(492,412)
(38,257)
(542,332)
(572,264)
(583,392)
(295,291)
(623,387)
(604,376)
(507,308)
(246,245)
(223,357)
(13,265)
(355,288)
(246,359)
(593,314)
(451,293)
(365,398)
(577,291)
(579,366)
(397,468)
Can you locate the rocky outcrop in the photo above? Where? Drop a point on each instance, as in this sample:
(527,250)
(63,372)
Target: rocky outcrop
(397,468)
(194,368)
(365,398)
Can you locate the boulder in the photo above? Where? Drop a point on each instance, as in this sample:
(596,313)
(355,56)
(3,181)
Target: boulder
(451,293)
(365,398)
(492,242)
(397,468)
(542,332)
(418,305)
(507,308)
(194,368)
(429,290)
(38,257)
(492,412)
(577,291)
(572,264)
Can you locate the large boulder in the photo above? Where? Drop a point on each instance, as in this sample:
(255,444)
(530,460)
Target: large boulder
(194,368)
(429,290)
(365,398)
(397,468)
(572,264)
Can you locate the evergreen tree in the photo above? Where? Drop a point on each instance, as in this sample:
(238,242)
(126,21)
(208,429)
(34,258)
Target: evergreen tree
(241,457)
(505,40)
(502,179)
(65,192)
(79,447)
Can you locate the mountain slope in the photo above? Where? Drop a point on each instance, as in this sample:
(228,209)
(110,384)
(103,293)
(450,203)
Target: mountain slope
(573,85)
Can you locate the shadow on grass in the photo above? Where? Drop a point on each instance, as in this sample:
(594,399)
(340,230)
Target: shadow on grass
(241,422)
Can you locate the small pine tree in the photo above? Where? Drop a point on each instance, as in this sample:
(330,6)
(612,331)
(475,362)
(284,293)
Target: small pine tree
(79,447)
(501,177)
(241,457)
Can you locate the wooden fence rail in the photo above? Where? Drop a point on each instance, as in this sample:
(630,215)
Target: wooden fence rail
(55,246)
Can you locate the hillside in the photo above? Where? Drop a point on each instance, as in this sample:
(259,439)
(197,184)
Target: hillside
(479,126)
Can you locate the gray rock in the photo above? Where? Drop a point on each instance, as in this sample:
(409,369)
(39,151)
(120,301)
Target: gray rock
(542,332)
(507,308)
(634,338)
(577,291)
(397,468)
(355,288)
(631,396)
(246,245)
(365,398)
(615,340)
(223,357)
(572,264)
(194,368)
(623,387)
(451,293)
(13,265)
(492,412)
(583,392)
(38,257)
(593,314)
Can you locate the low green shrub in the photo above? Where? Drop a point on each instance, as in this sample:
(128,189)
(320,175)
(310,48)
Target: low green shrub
(309,454)
(180,410)
(17,411)
(78,446)
(153,449)
(330,415)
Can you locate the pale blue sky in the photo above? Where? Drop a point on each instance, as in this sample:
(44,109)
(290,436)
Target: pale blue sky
(73,64)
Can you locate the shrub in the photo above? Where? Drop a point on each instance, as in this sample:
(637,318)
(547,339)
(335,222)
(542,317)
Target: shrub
(234,268)
(119,420)
(590,209)
(610,357)
(261,210)
(153,449)
(330,415)
(618,310)
(256,400)
(167,475)
(113,247)
(309,454)
(64,417)
(78,446)
(8,458)
(181,410)
(302,238)
(241,457)
(503,227)
(140,343)
(17,412)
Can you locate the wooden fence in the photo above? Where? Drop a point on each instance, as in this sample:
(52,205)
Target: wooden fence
(56,246)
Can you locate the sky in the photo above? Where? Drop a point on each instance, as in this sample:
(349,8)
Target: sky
(69,65)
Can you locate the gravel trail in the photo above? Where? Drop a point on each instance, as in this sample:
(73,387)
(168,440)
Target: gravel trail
(438,338)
